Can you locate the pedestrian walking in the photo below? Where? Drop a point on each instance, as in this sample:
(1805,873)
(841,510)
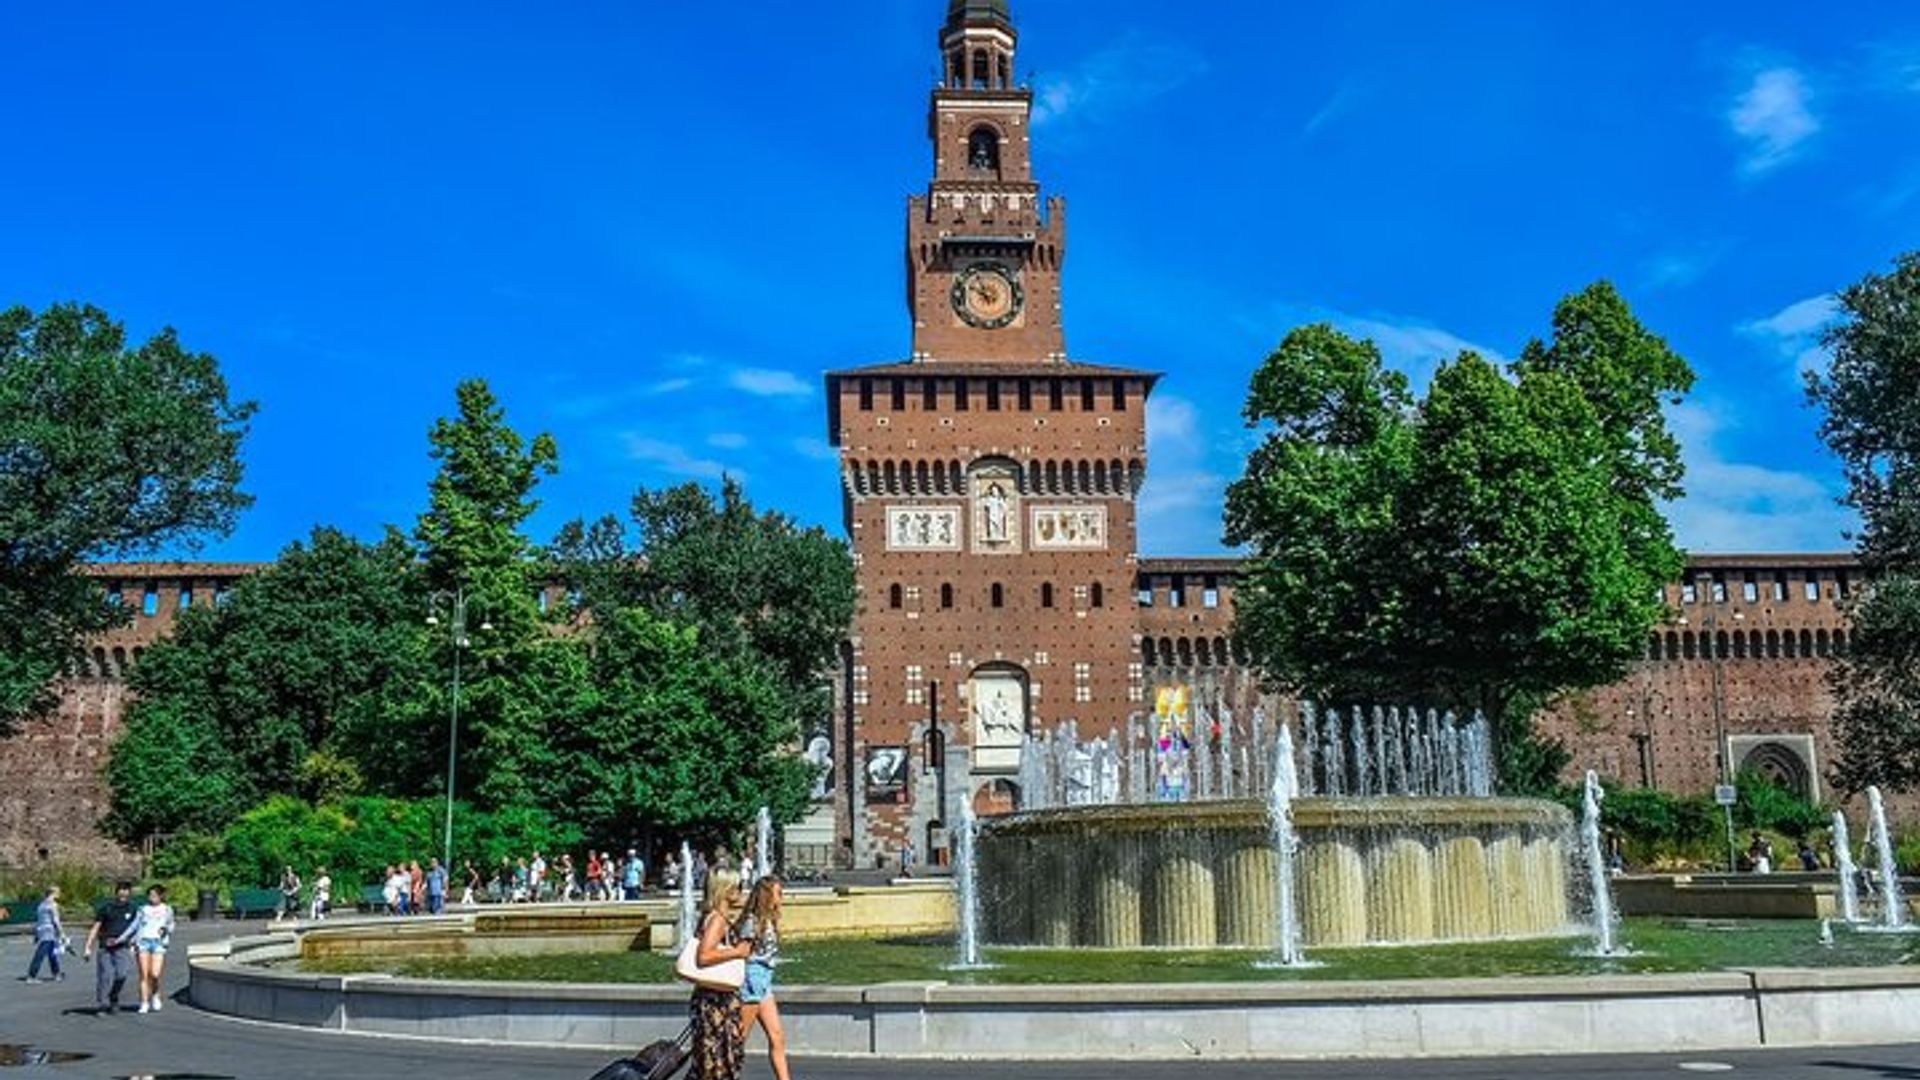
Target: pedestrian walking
(151,932)
(436,886)
(719,1048)
(759,927)
(289,894)
(49,937)
(630,876)
(113,960)
(322,893)
(472,874)
(416,888)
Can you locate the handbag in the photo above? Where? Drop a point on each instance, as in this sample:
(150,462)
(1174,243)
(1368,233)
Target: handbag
(725,975)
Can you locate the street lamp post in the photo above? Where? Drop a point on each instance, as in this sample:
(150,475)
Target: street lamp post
(455,604)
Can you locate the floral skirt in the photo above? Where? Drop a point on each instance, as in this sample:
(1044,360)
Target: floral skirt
(719,1046)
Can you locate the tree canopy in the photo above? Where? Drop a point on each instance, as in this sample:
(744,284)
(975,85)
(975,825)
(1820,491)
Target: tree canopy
(1870,392)
(106,452)
(1486,547)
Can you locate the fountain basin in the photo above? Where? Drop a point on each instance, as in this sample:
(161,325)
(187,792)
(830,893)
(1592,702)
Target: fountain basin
(1382,870)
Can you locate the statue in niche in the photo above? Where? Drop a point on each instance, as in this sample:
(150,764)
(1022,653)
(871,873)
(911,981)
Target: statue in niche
(994,506)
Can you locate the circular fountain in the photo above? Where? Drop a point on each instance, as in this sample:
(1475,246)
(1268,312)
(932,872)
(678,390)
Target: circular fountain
(1406,843)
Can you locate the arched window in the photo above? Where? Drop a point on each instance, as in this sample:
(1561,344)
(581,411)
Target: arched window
(1806,643)
(1687,645)
(1839,642)
(1046,594)
(1820,642)
(1739,644)
(997,596)
(1673,645)
(1099,595)
(983,150)
(893,596)
(982,71)
(1773,644)
(946,596)
(1146,651)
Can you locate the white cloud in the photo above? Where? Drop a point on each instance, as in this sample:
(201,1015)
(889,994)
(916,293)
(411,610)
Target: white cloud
(1337,105)
(1414,347)
(675,460)
(668,386)
(1679,268)
(1181,507)
(1733,506)
(726,440)
(768,382)
(1793,332)
(1772,118)
(1127,72)
(815,449)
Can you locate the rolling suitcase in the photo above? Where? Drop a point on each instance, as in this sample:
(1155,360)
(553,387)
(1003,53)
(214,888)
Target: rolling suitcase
(660,1060)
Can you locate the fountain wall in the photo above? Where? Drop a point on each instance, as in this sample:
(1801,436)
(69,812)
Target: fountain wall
(1201,875)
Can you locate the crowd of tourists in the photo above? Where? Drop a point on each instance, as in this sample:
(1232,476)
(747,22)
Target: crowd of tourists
(409,888)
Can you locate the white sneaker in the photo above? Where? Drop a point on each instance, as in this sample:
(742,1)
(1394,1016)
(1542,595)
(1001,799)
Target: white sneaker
(157,1002)
(143,1008)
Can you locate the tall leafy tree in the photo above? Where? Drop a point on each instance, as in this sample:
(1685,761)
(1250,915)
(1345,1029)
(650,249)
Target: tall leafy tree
(472,545)
(307,681)
(770,602)
(1871,396)
(106,451)
(1487,547)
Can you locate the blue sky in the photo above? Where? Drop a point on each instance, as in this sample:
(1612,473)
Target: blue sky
(652,226)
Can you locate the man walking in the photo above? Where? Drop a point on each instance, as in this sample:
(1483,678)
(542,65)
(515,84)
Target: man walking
(111,921)
(48,936)
(436,887)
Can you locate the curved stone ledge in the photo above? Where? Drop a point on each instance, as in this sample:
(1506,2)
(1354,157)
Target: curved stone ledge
(1298,1020)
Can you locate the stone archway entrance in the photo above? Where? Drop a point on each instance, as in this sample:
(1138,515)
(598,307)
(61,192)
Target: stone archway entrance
(996,798)
(1781,765)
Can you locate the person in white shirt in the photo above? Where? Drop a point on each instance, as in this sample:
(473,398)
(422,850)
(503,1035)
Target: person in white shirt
(322,894)
(152,929)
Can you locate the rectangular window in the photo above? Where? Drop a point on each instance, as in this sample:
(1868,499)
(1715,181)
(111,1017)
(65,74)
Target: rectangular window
(1779,588)
(1145,598)
(993,395)
(1689,593)
(116,595)
(961,391)
(1719,591)
(1086,395)
(1026,396)
(1176,593)
(1210,596)
(929,396)
(897,390)
(1813,589)
(1056,393)
(1119,395)
(1840,584)
(186,597)
(150,601)
(866,395)
(1750,591)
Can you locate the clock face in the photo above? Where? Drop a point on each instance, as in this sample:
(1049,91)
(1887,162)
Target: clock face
(987,295)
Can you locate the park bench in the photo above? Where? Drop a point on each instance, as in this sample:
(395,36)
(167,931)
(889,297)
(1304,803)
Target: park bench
(19,911)
(373,898)
(250,902)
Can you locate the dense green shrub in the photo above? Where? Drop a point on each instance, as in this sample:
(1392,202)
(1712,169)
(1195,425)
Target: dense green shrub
(357,838)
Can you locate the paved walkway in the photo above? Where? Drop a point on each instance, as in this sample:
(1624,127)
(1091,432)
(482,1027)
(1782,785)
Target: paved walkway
(182,1042)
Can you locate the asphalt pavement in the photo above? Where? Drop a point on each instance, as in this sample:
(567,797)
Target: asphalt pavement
(183,1043)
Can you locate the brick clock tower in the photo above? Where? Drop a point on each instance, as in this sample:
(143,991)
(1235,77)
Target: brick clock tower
(989,486)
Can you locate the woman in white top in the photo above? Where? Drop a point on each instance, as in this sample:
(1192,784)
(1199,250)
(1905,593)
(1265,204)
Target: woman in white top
(152,929)
(322,894)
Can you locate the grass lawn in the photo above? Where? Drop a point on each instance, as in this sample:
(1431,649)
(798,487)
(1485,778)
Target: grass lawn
(1657,945)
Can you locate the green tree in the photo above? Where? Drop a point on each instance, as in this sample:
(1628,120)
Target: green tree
(1486,548)
(471,543)
(306,681)
(770,603)
(106,452)
(1870,392)
(681,739)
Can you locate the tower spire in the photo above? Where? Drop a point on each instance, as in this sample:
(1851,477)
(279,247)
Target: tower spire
(977,42)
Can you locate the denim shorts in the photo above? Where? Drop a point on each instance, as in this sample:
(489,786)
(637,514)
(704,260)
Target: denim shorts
(758,985)
(151,946)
